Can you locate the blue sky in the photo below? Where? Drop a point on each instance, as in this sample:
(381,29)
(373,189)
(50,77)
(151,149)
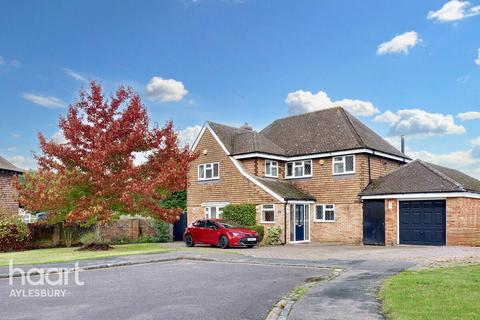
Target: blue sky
(404,67)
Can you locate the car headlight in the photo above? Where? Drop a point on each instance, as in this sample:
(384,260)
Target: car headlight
(236,234)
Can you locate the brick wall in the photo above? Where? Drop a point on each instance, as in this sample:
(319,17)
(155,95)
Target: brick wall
(463,222)
(8,194)
(391,223)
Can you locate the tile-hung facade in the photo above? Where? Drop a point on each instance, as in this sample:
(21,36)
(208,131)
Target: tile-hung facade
(8,193)
(304,173)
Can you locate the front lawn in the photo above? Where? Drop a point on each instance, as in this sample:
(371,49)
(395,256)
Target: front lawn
(441,293)
(71,254)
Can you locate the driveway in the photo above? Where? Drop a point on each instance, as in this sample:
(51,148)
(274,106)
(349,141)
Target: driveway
(169,290)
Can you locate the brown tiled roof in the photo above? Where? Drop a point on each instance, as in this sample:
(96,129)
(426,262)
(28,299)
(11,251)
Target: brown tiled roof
(6,165)
(321,131)
(422,177)
(286,190)
(240,141)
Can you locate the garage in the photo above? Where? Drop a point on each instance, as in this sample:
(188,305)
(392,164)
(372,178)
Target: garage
(422,222)
(421,203)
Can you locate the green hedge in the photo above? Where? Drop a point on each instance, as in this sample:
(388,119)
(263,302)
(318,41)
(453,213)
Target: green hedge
(260,230)
(243,214)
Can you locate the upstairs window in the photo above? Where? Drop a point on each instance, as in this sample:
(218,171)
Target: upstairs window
(325,213)
(344,165)
(271,168)
(298,169)
(208,171)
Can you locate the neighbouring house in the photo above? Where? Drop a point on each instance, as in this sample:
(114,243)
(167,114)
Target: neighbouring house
(8,193)
(326,177)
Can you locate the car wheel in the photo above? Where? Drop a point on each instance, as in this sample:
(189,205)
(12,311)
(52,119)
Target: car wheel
(223,242)
(189,241)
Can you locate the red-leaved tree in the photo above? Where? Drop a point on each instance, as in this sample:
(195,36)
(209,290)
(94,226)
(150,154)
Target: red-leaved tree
(91,176)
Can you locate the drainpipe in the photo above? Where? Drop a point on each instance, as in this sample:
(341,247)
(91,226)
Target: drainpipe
(369,170)
(285,222)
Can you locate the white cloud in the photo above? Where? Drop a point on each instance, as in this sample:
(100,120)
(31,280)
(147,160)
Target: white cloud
(44,101)
(420,123)
(16,135)
(165,90)
(188,135)
(4,64)
(387,116)
(75,75)
(477,61)
(470,115)
(23,162)
(399,44)
(454,10)
(58,137)
(305,101)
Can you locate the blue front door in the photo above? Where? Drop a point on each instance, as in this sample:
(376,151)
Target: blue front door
(299,222)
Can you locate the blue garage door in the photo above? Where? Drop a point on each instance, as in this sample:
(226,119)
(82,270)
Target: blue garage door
(423,222)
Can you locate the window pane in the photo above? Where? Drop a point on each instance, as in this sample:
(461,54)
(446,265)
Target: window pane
(298,171)
(349,163)
(207,212)
(308,167)
(268,170)
(208,173)
(329,206)
(338,168)
(267,206)
(289,169)
(213,212)
(269,215)
(201,172)
(292,222)
(330,215)
(215,170)
(307,222)
(319,213)
(274,171)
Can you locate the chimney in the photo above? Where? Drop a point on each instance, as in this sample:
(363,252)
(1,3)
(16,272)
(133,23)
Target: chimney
(246,126)
(402,143)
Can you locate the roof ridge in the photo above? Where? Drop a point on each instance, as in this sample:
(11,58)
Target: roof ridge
(444,176)
(350,124)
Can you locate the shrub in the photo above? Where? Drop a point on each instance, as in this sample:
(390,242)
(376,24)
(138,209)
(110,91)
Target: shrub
(13,234)
(91,237)
(162,233)
(273,236)
(260,230)
(243,214)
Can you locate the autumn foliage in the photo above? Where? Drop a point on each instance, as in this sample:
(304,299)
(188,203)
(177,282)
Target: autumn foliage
(91,176)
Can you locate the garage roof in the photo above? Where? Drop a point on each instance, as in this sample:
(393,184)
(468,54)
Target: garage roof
(422,177)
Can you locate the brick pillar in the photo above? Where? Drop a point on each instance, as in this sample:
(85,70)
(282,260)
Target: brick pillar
(391,223)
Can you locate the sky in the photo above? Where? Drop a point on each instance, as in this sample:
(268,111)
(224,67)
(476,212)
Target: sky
(402,67)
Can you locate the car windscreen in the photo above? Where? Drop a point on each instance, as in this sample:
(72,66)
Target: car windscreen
(229,224)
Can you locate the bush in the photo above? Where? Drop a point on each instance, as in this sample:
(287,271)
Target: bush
(91,237)
(162,233)
(13,234)
(273,236)
(260,230)
(243,214)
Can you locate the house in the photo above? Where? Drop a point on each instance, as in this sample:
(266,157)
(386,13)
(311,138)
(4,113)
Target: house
(8,193)
(325,177)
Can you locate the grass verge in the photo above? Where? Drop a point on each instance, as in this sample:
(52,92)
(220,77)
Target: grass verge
(440,293)
(41,256)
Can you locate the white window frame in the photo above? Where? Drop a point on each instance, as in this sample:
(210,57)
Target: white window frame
(324,210)
(272,162)
(294,165)
(344,162)
(205,165)
(208,211)
(269,209)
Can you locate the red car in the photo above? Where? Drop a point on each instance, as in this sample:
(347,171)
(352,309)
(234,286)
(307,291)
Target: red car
(220,233)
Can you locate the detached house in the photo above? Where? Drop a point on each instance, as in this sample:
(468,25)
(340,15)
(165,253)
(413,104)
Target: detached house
(326,177)
(8,193)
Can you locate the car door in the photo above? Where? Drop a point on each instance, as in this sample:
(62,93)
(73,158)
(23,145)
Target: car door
(198,231)
(211,232)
